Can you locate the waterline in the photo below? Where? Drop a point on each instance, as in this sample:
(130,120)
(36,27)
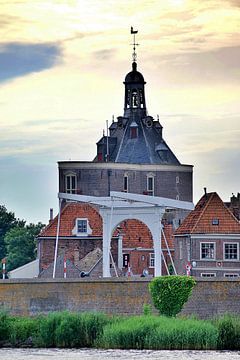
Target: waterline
(96,354)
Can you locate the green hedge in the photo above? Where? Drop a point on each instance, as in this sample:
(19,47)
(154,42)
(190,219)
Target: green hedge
(169,293)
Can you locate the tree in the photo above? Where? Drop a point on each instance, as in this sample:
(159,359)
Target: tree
(7,221)
(21,244)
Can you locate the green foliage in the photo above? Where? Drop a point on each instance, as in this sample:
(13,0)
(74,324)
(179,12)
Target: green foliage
(4,327)
(23,331)
(147,309)
(21,245)
(228,332)
(152,332)
(7,221)
(169,293)
(67,329)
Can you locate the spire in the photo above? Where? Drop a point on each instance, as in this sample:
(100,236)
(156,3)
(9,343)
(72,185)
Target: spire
(134,54)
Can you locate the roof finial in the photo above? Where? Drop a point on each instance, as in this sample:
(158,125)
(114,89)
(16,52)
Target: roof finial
(134,54)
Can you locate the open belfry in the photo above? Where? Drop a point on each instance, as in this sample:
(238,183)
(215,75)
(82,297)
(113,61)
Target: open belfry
(132,157)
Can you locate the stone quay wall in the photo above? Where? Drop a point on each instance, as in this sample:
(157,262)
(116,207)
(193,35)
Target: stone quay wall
(210,297)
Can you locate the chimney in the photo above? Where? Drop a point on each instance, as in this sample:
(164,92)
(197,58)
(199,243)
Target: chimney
(205,191)
(51,215)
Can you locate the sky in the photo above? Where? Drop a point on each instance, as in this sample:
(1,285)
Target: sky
(62,67)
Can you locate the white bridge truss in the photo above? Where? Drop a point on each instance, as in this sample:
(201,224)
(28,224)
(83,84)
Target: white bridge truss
(121,206)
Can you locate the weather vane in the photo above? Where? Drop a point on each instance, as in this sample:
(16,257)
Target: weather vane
(134,55)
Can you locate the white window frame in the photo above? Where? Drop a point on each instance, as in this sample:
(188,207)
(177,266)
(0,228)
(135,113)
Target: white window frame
(85,233)
(224,250)
(150,191)
(208,274)
(231,275)
(71,189)
(180,249)
(151,260)
(214,250)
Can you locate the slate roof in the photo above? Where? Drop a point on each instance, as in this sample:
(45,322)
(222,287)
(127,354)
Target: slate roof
(209,207)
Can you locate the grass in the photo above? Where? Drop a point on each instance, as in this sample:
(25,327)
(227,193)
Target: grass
(159,332)
(66,329)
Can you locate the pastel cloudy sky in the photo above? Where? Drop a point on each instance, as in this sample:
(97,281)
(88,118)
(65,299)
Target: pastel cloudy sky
(62,64)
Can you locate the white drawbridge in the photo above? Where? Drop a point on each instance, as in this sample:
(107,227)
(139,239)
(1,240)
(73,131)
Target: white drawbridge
(121,206)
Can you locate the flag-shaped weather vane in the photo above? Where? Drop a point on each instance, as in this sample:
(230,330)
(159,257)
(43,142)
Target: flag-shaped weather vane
(134,55)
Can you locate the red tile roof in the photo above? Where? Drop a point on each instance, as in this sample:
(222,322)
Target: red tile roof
(199,221)
(69,214)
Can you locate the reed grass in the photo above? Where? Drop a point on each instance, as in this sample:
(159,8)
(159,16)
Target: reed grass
(152,332)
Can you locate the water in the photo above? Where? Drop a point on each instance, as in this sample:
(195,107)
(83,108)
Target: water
(93,354)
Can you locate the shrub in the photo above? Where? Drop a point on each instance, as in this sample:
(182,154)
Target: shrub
(169,293)
(228,332)
(4,327)
(147,309)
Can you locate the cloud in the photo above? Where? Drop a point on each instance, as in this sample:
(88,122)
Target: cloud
(19,59)
(201,67)
(105,54)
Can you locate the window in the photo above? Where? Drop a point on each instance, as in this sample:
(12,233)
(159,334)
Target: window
(180,250)
(125,183)
(71,184)
(126,259)
(215,221)
(133,131)
(82,227)
(177,197)
(231,275)
(177,179)
(208,251)
(150,185)
(231,251)
(151,260)
(208,275)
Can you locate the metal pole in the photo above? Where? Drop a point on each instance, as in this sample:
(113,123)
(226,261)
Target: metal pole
(57,237)
(107,158)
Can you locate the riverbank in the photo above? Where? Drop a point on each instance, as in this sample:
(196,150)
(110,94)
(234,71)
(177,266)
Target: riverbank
(80,330)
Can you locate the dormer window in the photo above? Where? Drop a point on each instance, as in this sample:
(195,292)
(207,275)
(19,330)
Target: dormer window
(71,183)
(133,130)
(82,227)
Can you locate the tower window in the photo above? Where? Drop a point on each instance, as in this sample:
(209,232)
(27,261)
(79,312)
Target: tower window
(134,98)
(133,132)
(71,184)
(125,183)
(150,185)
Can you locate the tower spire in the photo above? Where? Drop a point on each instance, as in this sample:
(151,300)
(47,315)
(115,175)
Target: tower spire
(134,54)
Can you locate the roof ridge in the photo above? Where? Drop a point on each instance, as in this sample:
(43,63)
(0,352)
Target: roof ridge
(204,209)
(231,213)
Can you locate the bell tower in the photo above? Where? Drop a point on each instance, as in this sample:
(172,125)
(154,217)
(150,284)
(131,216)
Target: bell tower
(134,102)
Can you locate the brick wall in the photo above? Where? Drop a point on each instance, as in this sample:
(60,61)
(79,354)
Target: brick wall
(210,297)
